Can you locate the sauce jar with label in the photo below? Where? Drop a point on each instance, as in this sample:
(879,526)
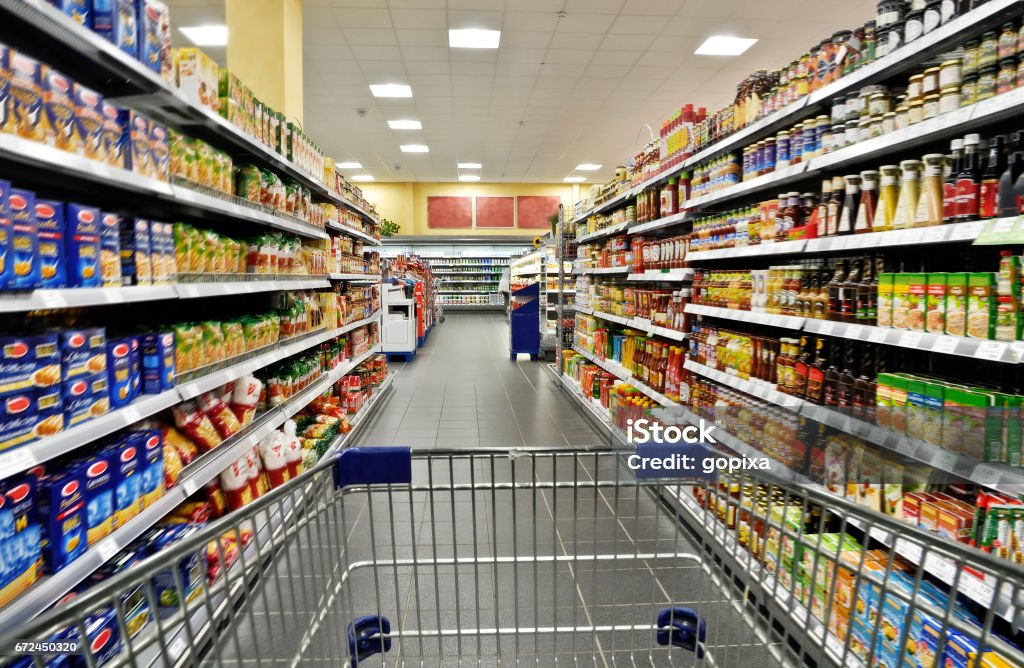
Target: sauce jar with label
(1007,46)
(949,74)
(875,126)
(969,91)
(782,148)
(1006,79)
(932,16)
(902,118)
(889,12)
(889,122)
(915,87)
(838,136)
(986,83)
(931,106)
(882,43)
(988,50)
(879,103)
(950,99)
(913,28)
(852,133)
(916,112)
(930,82)
(969,59)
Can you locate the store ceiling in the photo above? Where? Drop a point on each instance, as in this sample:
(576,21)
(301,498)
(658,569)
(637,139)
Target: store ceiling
(558,91)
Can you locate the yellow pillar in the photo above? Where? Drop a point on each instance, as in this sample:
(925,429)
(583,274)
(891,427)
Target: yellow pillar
(265,51)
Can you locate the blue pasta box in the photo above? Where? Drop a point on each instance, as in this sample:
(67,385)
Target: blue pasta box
(29,416)
(132,600)
(126,26)
(135,251)
(162,251)
(62,516)
(83,352)
(28,362)
(25,239)
(126,459)
(6,237)
(98,477)
(85,398)
(82,241)
(113,135)
(157,362)
(20,538)
(154,22)
(19,498)
(6,121)
(136,144)
(119,372)
(188,571)
(59,111)
(78,10)
(160,150)
(26,96)
(136,365)
(151,443)
(110,250)
(89,122)
(50,223)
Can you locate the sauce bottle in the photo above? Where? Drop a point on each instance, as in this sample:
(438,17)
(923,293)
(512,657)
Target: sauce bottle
(816,373)
(968,181)
(848,294)
(930,203)
(826,196)
(835,205)
(988,206)
(783,366)
(864,384)
(888,197)
(851,204)
(820,305)
(670,198)
(847,378)
(865,301)
(910,191)
(801,366)
(835,291)
(868,202)
(949,200)
(830,391)
(1009,203)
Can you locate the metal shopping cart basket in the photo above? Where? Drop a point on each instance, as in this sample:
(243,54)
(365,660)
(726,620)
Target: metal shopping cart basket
(442,558)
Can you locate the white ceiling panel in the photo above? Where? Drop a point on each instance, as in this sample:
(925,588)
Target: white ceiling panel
(573,80)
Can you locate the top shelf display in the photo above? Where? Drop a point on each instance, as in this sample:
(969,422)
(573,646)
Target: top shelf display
(141,82)
(666,157)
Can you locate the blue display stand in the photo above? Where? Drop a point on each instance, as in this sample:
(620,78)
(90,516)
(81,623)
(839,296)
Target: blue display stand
(524,324)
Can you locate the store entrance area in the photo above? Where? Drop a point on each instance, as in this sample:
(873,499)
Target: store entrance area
(462,391)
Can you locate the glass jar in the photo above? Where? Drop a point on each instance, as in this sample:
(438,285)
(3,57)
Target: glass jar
(852,105)
(879,103)
(782,148)
(796,144)
(969,59)
(1007,45)
(988,50)
(915,87)
(915,112)
(1006,79)
(929,208)
(822,125)
(882,48)
(902,116)
(868,47)
(874,127)
(910,193)
(889,12)
(949,100)
(949,74)
(889,122)
(930,82)
(913,28)
(896,36)
(986,83)
(932,16)
(838,136)
(852,134)
(931,106)
(839,110)
(969,90)
(888,197)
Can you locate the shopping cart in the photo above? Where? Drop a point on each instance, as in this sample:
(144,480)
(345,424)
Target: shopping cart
(438,558)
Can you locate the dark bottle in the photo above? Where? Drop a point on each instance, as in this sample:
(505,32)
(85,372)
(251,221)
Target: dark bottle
(848,294)
(800,369)
(866,293)
(851,205)
(847,378)
(864,385)
(835,289)
(830,392)
(968,181)
(949,199)
(835,206)
(816,373)
(1011,187)
(988,206)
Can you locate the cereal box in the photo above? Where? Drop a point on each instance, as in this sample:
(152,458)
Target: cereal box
(50,223)
(6,123)
(89,122)
(60,126)
(30,415)
(136,143)
(119,372)
(160,151)
(63,518)
(110,250)
(85,398)
(127,461)
(6,240)
(198,78)
(112,144)
(981,305)
(26,96)
(28,362)
(935,318)
(135,252)
(158,362)
(25,239)
(956,304)
(83,352)
(98,477)
(76,9)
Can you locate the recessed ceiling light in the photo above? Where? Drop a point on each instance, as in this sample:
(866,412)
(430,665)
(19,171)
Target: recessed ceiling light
(348,165)
(363,177)
(724,45)
(391,90)
(211,35)
(405,125)
(474,38)
(588,167)
(414,148)
(469,177)
(574,179)
(470,165)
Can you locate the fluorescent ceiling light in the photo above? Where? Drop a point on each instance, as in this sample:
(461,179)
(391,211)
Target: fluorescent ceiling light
(574,179)
(348,165)
(363,177)
(210,35)
(723,45)
(588,167)
(391,90)
(470,165)
(474,38)
(405,125)
(414,148)
(469,177)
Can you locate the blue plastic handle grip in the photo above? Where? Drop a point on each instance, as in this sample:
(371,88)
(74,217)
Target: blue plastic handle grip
(373,466)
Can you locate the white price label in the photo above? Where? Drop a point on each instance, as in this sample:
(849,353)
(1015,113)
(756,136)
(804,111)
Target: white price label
(52,299)
(877,435)
(933,235)
(966,231)
(910,339)
(114,296)
(945,344)
(854,332)
(106,549)
(941,567)
(1017,350)
(976,588)
(944,461)
(190,486)
(131,415)
(813,245)
(16,461)
(189,291)
(743,386)
(177,648)
(904,447)
(878,335)
(990,350)
(986,475)
(826,328)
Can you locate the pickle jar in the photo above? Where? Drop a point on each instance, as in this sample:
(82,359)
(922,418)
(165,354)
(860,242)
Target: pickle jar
(879,103)
(889,122)
(915,87)
(969,91)
(1007,45)
(969,59)
(949,74)
(949,100)
(1006,79)
(986,83)
(902,117)
(930,82)
(988,50)
(931,106)
(916,112)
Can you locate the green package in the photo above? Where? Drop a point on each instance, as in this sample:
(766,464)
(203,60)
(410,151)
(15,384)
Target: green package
(885,294)
(956,304)
(935,312)
(981,305)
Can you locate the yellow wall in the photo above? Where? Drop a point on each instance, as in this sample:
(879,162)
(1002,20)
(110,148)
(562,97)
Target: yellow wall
(406,203)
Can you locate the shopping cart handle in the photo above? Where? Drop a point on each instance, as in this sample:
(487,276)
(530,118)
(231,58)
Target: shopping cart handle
(373,466)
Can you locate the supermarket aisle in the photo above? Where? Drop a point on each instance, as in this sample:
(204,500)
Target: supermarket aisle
(462,391)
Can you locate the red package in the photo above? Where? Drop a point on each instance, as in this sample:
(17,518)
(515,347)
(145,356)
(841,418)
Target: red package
(186,449)
(197,426)
(190,512)
(224,421)
(215,496)
(234,480)
(246,398)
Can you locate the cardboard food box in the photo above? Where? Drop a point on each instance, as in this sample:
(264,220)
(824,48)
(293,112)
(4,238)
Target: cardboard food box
(60,119)
(50,226)
(89,122)
(24,239)
(935,317)
(26,96)
(956,304)
(981,305)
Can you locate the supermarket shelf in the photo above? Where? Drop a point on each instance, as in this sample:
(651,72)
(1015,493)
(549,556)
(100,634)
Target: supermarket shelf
(661,223)
(608,204)
(474,272)
(770,319)
(197,290)
(603,270)
(641,324)
(354,277)
(472,264)
(609,231)
(772,180)
(766,248)
(473,307)
(27,456)
(674,275)
(196,475)
(752,386)
(236,208)
(465,292)
(358,234)
(955,232)
(592,408)
(623,373)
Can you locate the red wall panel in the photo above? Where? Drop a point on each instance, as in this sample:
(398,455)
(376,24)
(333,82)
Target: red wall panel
(449,212)
(495,211)
(533,211)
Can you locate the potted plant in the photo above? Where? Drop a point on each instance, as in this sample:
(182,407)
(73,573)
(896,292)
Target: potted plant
(388,228)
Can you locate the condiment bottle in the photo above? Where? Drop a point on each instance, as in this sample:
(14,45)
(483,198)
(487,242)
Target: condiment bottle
(826,195)
(949,198)
(835,205)
(1009,203)
(930,201)
(910,190)
(848,296)
(968,181)
(835,291)
(865,302)
(888,197)
(989,198)
(850,204)
(670,198)
(868,202)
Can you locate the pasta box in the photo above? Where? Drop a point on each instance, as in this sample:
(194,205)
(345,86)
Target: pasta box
(135,142)
(119,372)
(83,352)
(26,96)
(30,415)
(50,226)
(135,252)
(78,10)
(84,398)
(153,17)
(113,134)
(126,459)
(6,234)
(136,365)
(118,22)
(158,362)
(6,123)
(151,444)
(24,239)
(160,151)
(59,111)
(89,122)
(62,516)
(131,600)
(110,249)
(98,478)
(82,242)
(28,362)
